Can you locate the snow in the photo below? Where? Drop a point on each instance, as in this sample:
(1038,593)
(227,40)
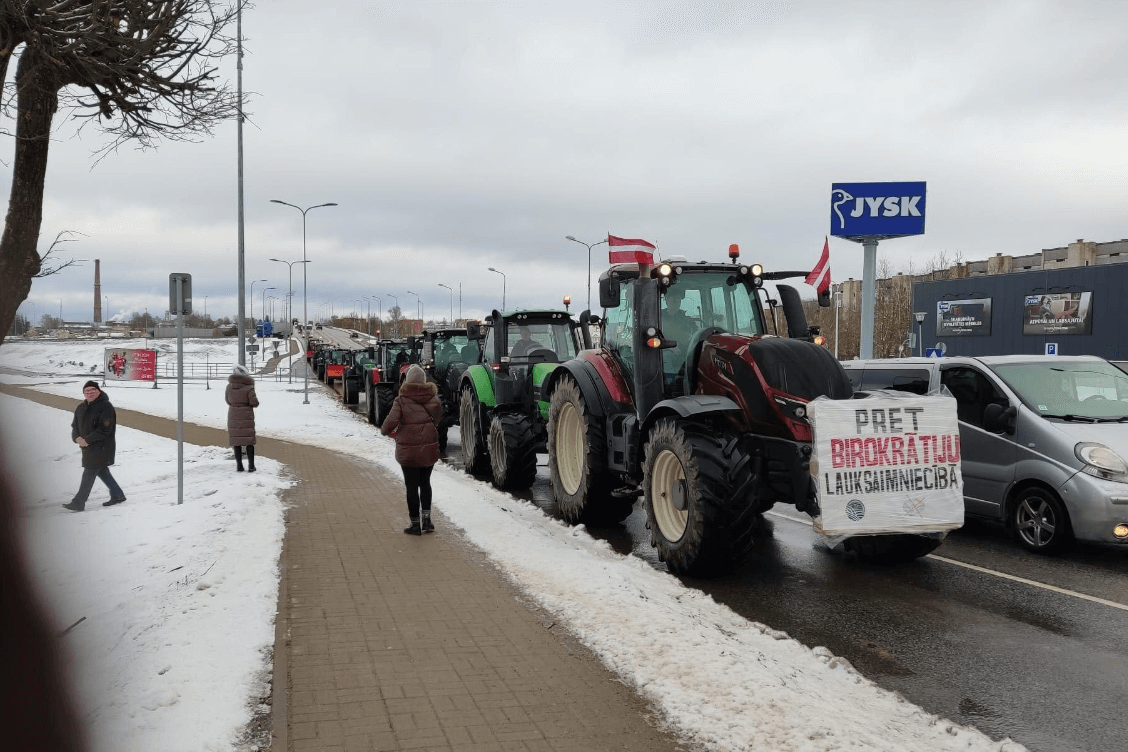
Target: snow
(180,600)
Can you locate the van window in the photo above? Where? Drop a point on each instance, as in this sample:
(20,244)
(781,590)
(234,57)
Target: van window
(973,392)
(913,380)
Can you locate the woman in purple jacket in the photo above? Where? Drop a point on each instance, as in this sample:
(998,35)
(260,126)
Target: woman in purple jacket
(241,404)
(413,423)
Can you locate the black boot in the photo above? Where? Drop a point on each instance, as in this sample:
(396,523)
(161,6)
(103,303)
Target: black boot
(413,528)
(427,526)
(239,458)
(250,458)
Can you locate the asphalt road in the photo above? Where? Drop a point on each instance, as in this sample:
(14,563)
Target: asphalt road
(980,632)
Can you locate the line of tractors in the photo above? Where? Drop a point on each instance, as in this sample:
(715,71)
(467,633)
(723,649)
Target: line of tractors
(694,405)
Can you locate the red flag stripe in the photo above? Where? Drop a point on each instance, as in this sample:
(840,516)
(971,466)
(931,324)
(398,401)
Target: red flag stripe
(819,278)
(629,250)
(614,241)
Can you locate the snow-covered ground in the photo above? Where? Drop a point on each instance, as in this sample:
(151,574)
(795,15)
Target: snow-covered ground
(180,600)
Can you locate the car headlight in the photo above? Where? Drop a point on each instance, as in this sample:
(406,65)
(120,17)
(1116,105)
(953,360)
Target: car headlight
(1102,462)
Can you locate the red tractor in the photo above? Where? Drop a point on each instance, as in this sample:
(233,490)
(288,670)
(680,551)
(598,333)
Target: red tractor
(690,403)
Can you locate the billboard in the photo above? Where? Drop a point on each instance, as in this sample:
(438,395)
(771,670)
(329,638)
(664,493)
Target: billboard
(130,365)
(876,210)
(963,318)
(1058,313)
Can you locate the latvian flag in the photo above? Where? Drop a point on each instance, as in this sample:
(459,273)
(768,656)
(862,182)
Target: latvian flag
(628,250)
(819,278)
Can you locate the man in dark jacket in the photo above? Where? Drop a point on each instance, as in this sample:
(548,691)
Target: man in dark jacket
(93,428)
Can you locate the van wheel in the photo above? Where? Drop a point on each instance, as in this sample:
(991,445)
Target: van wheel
(1040,522)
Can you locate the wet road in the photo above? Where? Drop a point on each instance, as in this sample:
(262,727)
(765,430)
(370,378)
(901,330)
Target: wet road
(960,633)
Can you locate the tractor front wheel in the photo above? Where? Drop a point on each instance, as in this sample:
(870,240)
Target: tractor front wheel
(385,398)
(698,488)
(475,457)
(513,456)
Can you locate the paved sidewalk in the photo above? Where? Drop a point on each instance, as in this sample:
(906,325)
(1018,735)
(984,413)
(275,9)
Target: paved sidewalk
(386,641)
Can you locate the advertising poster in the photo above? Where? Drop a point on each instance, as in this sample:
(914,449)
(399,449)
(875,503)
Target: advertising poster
(130,365)
(1058,313)
(889,463)
(963,318)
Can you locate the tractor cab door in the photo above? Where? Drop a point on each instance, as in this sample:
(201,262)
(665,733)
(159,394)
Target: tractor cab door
(617,333)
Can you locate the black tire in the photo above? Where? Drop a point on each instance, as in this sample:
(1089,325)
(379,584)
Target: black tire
(443,427)
(370,404)
(345,391)
(698,487)
(349,390)
(513,456)
(321,372)
(475,456)
(577,451)
(1040,522)
(891,549)
(384,400)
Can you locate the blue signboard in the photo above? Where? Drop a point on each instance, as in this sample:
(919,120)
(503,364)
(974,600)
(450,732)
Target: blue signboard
(933,352)
(876,210)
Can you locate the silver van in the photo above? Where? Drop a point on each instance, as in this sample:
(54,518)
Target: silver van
(1044,439)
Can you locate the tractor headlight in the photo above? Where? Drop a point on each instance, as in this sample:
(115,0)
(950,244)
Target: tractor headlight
(757,270)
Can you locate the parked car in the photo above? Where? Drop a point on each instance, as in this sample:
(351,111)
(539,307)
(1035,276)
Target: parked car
(1044,439)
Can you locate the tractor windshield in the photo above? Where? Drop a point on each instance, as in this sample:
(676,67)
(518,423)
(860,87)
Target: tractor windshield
(701,300)
(453,347)
(397,353)
(552,342)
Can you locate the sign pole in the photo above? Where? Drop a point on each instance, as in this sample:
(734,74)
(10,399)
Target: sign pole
(869,295)
(180,391)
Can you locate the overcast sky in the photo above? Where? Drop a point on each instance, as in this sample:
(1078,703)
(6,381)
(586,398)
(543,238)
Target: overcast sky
(458,136)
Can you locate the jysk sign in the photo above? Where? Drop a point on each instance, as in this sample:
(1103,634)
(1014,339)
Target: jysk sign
(876,210)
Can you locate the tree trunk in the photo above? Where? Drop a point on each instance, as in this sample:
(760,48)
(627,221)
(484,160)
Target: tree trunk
(38,99)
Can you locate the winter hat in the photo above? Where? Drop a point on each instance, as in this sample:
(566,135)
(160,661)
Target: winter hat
(89,384)
(239,370)
(415,375)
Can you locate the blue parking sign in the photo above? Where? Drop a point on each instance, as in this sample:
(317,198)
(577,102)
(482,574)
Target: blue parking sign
(1051,348)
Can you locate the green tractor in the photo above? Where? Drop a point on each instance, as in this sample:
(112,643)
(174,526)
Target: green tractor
(502,413)
(446,355)
(383,375)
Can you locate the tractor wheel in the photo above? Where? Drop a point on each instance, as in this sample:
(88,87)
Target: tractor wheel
(321,373)
(513,456)
(891,549)
(577,461)
(351,390)
(697,485)
(345,391)
(384,400)
(370,404)
(475,456)
(443,427)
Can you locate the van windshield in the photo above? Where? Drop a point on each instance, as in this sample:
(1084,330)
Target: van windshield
(1096,391)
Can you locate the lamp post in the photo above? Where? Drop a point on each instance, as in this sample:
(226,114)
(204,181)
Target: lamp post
(502,285)
(393,297)
(920,335)
(206,310)
(271,298)
(451,302)
(290,295)
(107,299)
(837,305)
(253,299)
(368,315)
(417,303)
(263,302)
(305,276)
(379,305)
(589,247)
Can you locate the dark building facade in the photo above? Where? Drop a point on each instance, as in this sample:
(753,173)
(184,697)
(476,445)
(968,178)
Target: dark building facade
(1080,310)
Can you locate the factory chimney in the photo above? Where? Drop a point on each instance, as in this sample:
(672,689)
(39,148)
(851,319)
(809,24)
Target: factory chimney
(97,291)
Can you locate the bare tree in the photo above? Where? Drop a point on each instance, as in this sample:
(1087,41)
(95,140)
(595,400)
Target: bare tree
(140,69)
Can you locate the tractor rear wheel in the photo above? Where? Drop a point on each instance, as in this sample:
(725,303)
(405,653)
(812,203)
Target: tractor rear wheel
(697,487)
(384,400)
(577,461)
(513,456)
(349,390)
(475,457)
(370,404)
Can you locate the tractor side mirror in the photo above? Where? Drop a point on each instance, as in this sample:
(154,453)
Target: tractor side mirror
(473,330)
(585,317)
(609,292)
(824,298)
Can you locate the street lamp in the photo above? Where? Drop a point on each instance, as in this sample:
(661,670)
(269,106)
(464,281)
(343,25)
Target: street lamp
(837,306)
(502,285)
(379,305)
(290,298)
(107,299)
(305,275)
(263,303)
(589,247)
(206,309)
(417,303)
(451,302)
(253,299)
(920,336)
(393,297)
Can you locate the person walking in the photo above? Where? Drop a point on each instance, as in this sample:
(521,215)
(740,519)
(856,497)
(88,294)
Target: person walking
(241,403)
(93,429)
(413,422)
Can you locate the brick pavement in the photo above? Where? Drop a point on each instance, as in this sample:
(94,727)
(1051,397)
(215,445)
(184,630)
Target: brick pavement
(392,642)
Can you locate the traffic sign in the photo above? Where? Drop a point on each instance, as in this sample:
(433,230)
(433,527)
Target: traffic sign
(933,352)
(1051,348)
(252,348)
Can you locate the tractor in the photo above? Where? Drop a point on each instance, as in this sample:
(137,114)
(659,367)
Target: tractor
(358,365)
(446,355)
(502,412)
(691,404)
(383,376)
